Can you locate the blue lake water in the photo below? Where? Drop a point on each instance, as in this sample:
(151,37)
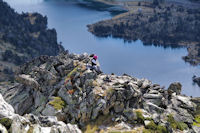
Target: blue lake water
(157,64)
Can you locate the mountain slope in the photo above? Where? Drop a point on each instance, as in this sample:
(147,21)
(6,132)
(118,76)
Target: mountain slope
(22,38)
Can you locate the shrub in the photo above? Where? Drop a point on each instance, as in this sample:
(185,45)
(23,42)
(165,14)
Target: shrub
(153,128)
(197,121)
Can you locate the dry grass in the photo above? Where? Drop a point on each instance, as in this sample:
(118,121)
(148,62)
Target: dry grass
(57,103)
(93,127)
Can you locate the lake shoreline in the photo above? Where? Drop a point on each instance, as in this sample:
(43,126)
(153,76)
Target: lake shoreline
(170,33)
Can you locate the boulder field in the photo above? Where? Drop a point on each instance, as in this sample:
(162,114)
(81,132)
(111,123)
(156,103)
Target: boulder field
(59,94)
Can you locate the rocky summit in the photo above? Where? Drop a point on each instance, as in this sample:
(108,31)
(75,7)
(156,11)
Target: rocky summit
(62,87)
(23,37)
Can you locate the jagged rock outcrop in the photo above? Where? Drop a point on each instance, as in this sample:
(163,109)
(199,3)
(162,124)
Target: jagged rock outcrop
(14,123)
(62,86)
(23,37)
(196,80)
(166,25)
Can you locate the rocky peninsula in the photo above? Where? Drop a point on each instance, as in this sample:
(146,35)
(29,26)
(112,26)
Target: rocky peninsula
(22,38)
(63,87)
(167,25)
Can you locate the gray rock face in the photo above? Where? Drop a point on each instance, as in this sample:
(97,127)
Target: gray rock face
(49,111)
(153,98)
(6,110)
(150,107)
(185,102)
(183,108)
(26,100)
(28,81)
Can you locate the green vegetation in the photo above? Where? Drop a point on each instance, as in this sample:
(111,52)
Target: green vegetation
(175,124)
(161,129)
(197,116)
(69,75)
(153,128)
(57,103)
(6,122)
(132,131)
(197,121)
(140,117)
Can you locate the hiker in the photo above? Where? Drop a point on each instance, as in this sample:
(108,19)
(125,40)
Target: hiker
(94,61)
(95,64)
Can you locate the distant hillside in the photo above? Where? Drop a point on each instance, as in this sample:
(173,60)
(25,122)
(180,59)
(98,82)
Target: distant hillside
(165,25)
(23,37)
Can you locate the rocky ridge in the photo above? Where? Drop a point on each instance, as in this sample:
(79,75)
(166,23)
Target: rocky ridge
(62,86)
(22,38)
(167,25)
